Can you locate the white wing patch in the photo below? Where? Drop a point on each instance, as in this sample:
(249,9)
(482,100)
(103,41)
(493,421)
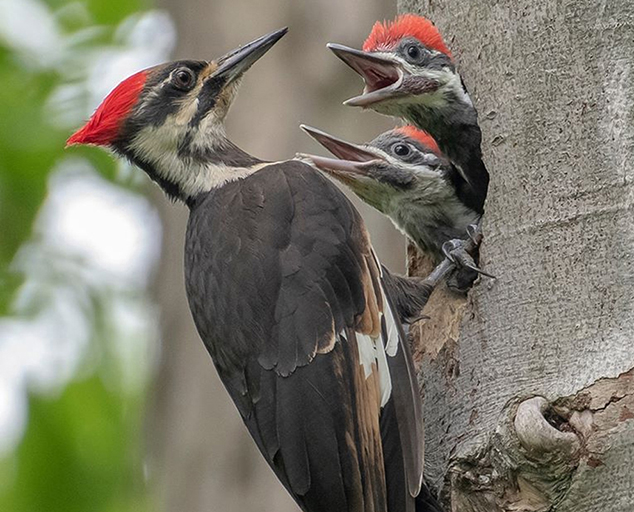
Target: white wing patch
(375,351)
(372,356)
(367,352)
(391,344)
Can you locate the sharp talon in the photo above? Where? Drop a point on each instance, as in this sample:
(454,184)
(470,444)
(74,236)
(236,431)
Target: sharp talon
(472,233)
(419,318)
(478,270)
(447,247)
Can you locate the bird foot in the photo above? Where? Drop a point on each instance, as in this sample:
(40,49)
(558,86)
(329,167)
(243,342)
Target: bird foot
(458,252)
(458,265)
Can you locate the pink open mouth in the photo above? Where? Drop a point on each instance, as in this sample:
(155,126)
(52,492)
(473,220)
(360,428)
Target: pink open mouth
(384,77)
(378,76)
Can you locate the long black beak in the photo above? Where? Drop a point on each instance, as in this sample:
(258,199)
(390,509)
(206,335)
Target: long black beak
(351,158)
(236,62)
(385,78)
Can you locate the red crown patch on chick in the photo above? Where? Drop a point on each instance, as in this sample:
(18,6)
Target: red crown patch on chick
(423,137)
(103,126)
(386,35)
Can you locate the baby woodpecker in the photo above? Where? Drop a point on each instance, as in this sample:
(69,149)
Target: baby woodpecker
(403,174)
(409,72)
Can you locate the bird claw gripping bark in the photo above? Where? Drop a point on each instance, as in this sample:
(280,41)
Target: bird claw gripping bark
(456,251)
(458,265)
(459,251)
(474,233)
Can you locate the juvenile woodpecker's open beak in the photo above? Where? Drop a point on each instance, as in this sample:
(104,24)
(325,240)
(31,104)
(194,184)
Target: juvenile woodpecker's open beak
(233,64)
(352,161)
(385,78)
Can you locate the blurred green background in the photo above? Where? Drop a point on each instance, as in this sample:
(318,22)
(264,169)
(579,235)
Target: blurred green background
(76,322)
(108,401)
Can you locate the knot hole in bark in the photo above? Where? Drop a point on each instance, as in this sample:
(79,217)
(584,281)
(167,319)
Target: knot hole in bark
(526,466)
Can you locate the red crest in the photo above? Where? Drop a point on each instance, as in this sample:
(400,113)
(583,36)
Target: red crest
(103,126)
(423,137)
(386,35)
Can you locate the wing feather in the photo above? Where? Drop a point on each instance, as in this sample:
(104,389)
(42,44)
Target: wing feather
(290,302)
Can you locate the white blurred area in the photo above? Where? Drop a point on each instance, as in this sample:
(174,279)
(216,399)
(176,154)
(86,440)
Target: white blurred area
(94,242)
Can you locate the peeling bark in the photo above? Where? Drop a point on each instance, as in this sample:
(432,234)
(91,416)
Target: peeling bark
(545,455)
(528,380)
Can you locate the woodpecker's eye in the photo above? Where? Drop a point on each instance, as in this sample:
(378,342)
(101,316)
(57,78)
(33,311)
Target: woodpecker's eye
(183,78)
(401,149)
(413,52)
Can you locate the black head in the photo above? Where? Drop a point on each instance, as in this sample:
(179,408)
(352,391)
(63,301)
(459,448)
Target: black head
(172,104)
(164,118)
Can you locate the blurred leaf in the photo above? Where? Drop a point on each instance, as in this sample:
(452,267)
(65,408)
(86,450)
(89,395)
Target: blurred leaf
(29,144)
(80,453)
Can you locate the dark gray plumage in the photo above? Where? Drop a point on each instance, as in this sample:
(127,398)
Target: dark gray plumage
(278,270)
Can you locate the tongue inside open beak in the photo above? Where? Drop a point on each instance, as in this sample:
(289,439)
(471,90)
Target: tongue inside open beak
(384,77)
(378,72)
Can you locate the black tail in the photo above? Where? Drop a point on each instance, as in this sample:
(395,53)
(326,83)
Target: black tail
(425,501)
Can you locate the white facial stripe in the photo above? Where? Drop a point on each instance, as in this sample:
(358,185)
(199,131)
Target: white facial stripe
(450,84)
(209,131)
(187,111)
(418,169)
(449,80)
(159,147)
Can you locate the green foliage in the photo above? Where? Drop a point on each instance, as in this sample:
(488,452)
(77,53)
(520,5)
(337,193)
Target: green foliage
(81,450)
(79,453)
(30,144)
(28,150)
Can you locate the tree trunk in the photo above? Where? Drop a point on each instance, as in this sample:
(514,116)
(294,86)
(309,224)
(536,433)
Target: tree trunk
(529,381)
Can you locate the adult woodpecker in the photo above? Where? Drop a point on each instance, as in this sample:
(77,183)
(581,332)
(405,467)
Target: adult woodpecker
(285,291)
(409,73)
(403,174)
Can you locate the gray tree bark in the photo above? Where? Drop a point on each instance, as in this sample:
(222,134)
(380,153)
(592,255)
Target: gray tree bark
(529,381)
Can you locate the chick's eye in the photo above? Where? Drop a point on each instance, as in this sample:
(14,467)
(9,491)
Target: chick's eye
(183,78)
(401,149)
(413,52)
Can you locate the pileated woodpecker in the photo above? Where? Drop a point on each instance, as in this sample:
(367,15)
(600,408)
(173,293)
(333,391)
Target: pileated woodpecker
(409,73)
(285,290)
(403,174)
